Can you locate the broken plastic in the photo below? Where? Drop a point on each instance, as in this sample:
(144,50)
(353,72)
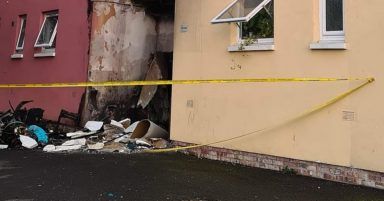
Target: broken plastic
(114,147)
(124,124)
(79,134)
(49,148)
(94,125)
(131,128)
(143,142)
(67,148)
(159,143)
(81,141)
(123,139)
(3,146)
(39,133)
(96,146)
(28,142)
(147,129)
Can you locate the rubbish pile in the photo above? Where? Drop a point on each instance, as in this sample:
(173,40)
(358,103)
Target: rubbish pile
(22,128)
(117,136)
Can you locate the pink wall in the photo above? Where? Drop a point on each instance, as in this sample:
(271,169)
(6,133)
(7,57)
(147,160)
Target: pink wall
(69,64)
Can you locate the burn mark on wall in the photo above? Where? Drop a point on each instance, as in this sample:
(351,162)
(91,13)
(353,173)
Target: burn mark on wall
(104,13)
(124,39)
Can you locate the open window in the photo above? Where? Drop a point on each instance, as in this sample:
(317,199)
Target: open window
(255,23)
(260,26)
(20,38)
(240,11)
(46,39)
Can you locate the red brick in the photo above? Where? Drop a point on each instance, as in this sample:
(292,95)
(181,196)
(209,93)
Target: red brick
(317,170)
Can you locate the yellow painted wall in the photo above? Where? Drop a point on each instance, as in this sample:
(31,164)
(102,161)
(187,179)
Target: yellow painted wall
(210,112)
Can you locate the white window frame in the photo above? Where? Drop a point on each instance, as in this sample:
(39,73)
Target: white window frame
(330,35)
(53,34)
(23,19)
(216,20)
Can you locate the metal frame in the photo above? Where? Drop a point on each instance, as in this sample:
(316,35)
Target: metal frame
(216,20)
(53,34)
(23,19)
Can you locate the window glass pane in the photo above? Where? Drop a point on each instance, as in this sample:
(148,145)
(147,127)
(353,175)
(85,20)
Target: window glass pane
(260,26)
(20,43)
(334,15)
(241,9)
(48,29)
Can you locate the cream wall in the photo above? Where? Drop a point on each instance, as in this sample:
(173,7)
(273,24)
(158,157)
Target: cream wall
(207,113)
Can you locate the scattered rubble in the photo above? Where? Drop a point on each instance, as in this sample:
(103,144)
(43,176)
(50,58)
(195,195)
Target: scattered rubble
(96,136)
(28,142)
(94,125)
(96,146)
(3,146)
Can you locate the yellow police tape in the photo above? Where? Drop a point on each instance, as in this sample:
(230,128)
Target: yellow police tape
(172,82)
(212,81)
(291,120)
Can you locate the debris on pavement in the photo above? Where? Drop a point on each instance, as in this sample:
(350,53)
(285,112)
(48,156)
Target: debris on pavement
(123,139)
(115,147)
(53,148)
(49,148)
(3,146)
(159,143)
(147,129)
(79,134)
(40,133)
(131,128)
(28,142)
(75,142)
(123,124)
(143,143)
(94,125)
(96,136)
(96,146)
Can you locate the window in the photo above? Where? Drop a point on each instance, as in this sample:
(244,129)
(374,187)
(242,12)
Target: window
(18,54)
(332,20)
(260,26)
(331,26)
(240,11)
(47,35)
(254,19)
(21,36)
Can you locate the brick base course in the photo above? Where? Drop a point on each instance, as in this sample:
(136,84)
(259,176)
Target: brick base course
(306,168)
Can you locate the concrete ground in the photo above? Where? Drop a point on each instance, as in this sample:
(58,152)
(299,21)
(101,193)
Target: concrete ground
(33,175)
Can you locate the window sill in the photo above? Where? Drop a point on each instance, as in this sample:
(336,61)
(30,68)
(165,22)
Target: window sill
(328,45)
(254,47)
(45,54)
(17,56)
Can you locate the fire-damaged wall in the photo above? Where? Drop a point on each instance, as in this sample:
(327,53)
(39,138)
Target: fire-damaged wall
(125,38)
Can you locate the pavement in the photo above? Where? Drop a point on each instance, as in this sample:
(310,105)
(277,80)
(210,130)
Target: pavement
(33,176)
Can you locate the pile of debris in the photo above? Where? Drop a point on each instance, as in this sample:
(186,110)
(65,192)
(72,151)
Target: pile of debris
(22,128)
(122,137)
